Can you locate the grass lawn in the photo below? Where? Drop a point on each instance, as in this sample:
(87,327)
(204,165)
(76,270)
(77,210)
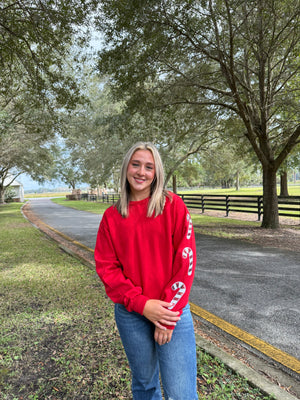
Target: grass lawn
(294,190)
(83,205)
(58,336)
(40,195)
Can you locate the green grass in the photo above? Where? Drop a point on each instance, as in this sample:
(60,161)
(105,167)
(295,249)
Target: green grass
(58,335)
(50,194)
(294,190)
(220,227)
(91,206)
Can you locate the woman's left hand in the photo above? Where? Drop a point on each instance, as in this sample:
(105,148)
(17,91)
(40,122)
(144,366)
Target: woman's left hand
(162,336)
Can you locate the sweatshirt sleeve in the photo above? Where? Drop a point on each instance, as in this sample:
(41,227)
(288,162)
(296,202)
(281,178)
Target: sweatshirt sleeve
(118,288)
(178,289)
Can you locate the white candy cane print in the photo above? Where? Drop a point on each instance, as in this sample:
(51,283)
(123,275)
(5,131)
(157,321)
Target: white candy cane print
(178,295)
(187,251)
(189,233)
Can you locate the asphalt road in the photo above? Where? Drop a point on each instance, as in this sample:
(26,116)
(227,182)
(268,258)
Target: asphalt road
(254,288)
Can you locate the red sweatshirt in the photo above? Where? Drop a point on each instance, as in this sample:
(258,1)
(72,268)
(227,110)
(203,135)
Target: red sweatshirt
(140,258)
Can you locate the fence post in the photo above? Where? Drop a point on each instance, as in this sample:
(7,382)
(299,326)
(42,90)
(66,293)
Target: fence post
(202,203)
(227,206)
(259,203)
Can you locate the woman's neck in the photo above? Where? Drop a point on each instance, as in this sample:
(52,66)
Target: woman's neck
(138,196)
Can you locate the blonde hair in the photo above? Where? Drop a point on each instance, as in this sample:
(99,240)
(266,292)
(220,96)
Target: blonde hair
(157,192)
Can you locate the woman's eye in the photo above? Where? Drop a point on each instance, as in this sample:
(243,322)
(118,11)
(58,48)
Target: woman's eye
(149,168)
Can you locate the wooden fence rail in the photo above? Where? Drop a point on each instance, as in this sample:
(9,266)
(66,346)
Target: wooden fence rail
(287,206)
(104,198)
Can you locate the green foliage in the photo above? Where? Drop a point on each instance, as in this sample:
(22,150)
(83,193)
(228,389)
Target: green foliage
(36,39)
(239,60)
(226,166)
(9,194)
(39,42)
(220,383)
(67,169)
(190,173)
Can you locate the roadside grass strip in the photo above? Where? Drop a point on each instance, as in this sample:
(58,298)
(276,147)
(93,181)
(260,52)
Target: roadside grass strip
(58,336)
(83,205)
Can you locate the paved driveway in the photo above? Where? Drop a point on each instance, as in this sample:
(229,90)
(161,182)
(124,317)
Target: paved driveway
(79,225)
(254,288)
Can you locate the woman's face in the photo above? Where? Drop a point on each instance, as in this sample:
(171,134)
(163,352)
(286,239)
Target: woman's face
(140,174)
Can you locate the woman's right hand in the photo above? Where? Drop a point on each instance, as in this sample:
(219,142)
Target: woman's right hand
(157,312)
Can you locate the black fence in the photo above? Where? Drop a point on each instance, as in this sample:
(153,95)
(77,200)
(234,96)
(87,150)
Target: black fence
(287,206)
(104,198)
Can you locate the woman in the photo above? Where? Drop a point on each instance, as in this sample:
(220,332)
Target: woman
(145,256)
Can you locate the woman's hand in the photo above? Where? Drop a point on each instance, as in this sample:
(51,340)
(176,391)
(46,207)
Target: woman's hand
(162,336)
(157,312)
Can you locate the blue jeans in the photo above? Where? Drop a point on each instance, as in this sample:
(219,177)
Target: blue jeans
(175,361)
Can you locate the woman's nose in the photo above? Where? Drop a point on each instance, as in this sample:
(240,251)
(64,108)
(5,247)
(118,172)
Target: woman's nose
(141,170)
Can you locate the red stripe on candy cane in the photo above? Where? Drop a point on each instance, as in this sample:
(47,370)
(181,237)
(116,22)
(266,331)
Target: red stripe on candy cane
(178,295)
(189,233)
(187,251)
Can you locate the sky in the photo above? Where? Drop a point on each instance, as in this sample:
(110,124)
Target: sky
(30,184)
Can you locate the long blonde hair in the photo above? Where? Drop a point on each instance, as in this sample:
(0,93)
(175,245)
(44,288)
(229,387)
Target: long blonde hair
(157,192)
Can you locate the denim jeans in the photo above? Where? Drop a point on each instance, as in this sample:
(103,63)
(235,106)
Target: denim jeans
(175,361)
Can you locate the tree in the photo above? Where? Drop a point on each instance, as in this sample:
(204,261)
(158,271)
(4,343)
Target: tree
(224,165)
(238,57)
(100,134)
(23,151)
(27,138)
(68,170)
(292,162)
(36,39)
(39,45)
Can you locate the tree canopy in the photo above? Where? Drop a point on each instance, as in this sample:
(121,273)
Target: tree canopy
(36,38)
(38,54)
(238,57)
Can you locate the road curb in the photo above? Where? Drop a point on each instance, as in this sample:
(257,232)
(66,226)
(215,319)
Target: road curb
(248,373)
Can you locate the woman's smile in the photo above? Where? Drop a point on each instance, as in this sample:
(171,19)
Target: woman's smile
(140,174)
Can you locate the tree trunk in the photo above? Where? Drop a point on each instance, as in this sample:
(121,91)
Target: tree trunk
(2,195)
(237,181)
(174,184)
(283,184)
(270,199)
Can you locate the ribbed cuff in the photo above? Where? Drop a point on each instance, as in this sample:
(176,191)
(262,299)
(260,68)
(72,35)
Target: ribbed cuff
(139,303)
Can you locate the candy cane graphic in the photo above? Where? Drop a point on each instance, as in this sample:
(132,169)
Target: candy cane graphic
(178,295)
(187,251)
(189,233)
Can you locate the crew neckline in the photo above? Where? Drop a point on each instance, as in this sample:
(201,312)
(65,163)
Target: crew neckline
(137,202)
